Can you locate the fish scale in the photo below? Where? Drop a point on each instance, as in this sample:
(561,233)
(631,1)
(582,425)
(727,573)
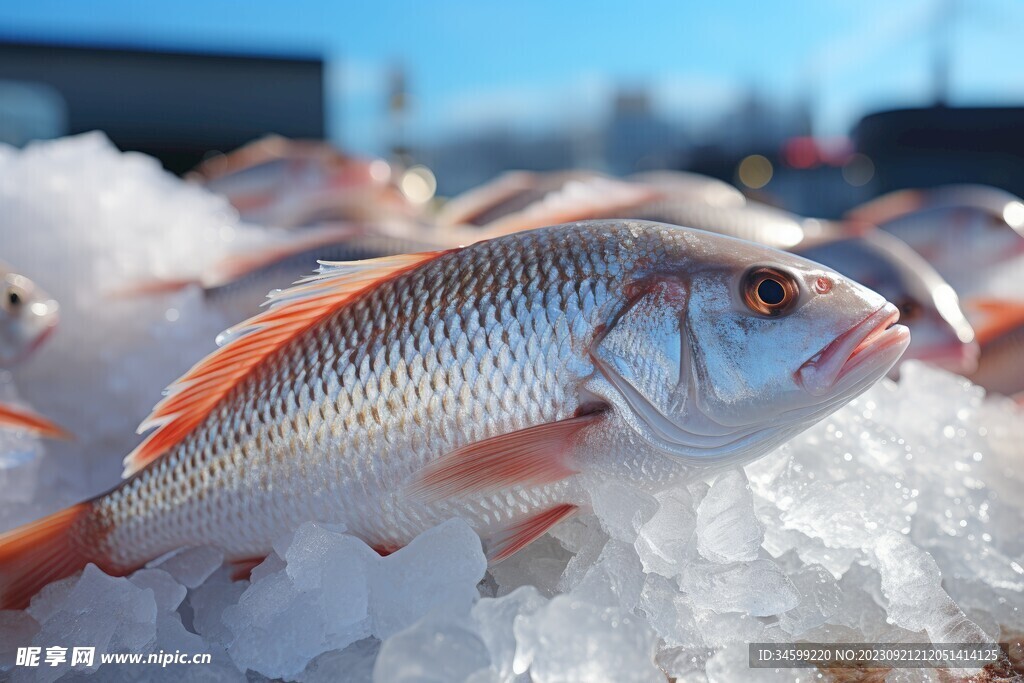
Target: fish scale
(349,411)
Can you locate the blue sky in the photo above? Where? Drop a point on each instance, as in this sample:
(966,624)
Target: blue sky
(536,63)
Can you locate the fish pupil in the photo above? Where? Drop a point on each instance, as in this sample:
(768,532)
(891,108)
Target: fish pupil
(13,297)
(771,292)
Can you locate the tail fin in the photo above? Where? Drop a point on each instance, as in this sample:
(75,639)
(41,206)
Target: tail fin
(38,553)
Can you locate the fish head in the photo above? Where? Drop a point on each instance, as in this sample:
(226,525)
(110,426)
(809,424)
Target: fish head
(27,317)
(728,352)
(928,305)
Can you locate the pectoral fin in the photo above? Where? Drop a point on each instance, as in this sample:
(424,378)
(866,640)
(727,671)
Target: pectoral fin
(534,456)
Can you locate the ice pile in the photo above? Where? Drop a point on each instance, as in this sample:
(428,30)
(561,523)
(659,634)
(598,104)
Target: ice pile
(896,520)
(86,222)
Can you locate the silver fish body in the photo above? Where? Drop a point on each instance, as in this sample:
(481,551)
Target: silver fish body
(667,351)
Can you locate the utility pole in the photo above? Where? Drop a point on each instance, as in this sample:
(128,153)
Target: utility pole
(942,47)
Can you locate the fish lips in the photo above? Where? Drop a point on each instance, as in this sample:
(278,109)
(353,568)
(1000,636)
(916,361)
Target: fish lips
(872,346)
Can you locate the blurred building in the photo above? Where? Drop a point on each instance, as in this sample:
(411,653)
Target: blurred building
(636,139)
(940,145)
(176,106)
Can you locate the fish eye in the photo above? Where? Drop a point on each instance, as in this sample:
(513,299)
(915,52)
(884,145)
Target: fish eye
(13,297)
(769,291)
(909,309)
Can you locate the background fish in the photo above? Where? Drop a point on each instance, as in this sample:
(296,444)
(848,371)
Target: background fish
(1001,336)
(485,383)
(294,183)
(27,316)
(962,230)
(940,333)
(753,221)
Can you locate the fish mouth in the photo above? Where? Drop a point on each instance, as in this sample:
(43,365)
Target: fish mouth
(872,346)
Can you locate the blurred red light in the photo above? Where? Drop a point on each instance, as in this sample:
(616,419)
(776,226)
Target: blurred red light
(801,153)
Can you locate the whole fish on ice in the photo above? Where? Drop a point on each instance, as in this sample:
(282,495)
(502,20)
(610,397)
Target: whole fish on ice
(487,383)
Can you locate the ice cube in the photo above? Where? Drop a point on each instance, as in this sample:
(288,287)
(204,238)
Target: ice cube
(438,648)
(494,619)
(439,569)
(572,640)
(727,530)
(191,566)
(758,588)
(111,614)
(664,541)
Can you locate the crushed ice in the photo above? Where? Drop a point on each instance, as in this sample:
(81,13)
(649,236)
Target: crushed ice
(896,519)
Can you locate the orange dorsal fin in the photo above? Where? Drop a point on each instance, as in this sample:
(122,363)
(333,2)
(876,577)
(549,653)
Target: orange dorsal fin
(518,536)
(292,311)
(529,457)
(994,317)
(19,418)
(888,207)
(577,200)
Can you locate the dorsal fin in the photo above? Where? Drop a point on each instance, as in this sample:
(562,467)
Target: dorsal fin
(888,207)
(292,311)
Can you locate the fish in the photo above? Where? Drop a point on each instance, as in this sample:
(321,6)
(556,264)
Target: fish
(753,221)
(940,332)
(693,188)
(507,194)
(295,183)
(489,382)
(522,201)
(28,316)
(962,230)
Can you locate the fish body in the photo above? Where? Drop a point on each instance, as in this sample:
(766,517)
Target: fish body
(520,200)
(962,230)
(754,221)
(291,183)
(487,383)
(28,315)
(929,307)
(693,188)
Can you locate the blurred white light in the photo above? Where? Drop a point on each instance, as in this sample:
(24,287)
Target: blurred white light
(419,184)
(1013,214)
(172,314)
(948,305)
(380,170)
(39,308)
